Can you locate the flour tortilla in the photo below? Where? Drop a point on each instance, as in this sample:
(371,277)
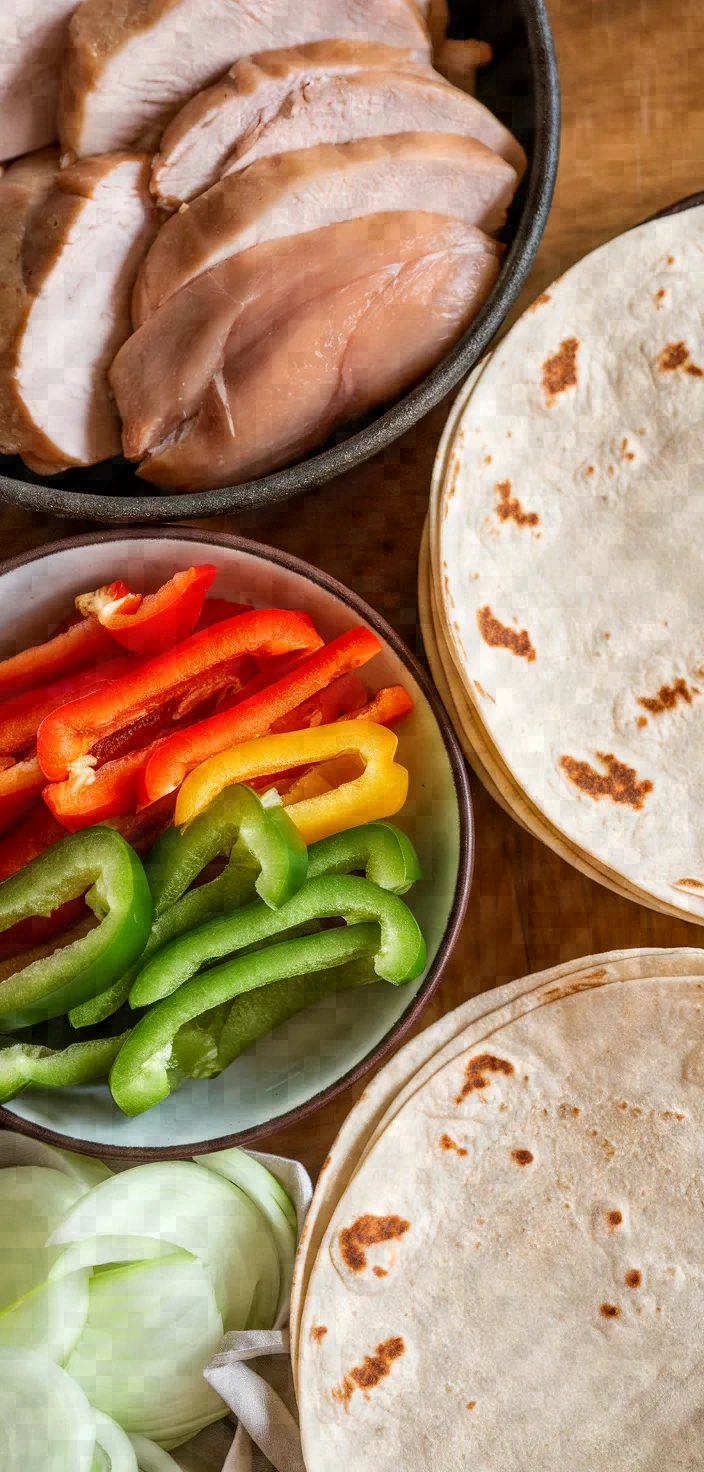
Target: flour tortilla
(492,772)
(590,412)
(410,1068)
(568,1335)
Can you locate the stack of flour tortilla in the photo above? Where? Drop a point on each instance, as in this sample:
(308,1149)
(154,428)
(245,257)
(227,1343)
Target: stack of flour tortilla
(562,571)
(502,1265)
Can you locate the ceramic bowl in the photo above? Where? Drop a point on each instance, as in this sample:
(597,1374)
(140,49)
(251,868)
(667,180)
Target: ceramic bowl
(311,1058)
(521,86)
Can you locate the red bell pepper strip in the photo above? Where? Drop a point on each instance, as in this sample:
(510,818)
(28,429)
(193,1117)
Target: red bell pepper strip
(141,830)
(147,625)
(338,701)
(255,715)
(215,610)
(69,734)
(21,717)
(74,647)
(387,706)
(94,797)
(35,833)
(20,785)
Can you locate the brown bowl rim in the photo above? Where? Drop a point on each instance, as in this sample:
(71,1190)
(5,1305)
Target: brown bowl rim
(393,1037)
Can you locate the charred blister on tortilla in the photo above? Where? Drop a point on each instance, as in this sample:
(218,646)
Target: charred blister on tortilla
(619,782)
(502,636)
(478,1071)
(560,370)
(373,1369)
(366,1251)
(509,508)
(675,358)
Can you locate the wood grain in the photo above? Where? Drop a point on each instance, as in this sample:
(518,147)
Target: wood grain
(633,141)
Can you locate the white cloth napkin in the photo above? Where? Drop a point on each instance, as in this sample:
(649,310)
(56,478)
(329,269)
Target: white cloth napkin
(263,1403)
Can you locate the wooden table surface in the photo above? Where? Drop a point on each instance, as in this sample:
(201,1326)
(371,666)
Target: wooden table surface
(632,75)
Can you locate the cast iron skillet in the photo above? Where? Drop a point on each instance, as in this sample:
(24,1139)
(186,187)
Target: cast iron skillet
(521,86)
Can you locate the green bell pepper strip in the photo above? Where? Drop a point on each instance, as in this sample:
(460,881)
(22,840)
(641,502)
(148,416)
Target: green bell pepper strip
(96,860)
(385,854)
(236,820)
(400,957)
(265,853)
(22,1064)
(146,1070)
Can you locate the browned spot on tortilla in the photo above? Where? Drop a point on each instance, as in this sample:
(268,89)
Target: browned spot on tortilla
(608,1149)
(318,1333)
(610,1311)
(670,1114)
(509,508)
(500,636)
(325,1164)
(614,1218)
(676,355)
(369,1231)
(476,1074)
(471,1404)
(622,1105)
(634,1278)
(560,371)
(619,782)
(666,698)
(642,721)
(659,295)
(691,883)
(627,454)
(590,470)
(447,1143)
(374,1368)
(522,1157)
(487,459)
(670,260)
(483,692)
(540,301)
(380,1272)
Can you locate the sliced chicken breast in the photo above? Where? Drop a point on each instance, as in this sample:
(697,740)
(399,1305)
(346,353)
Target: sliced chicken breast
(132,63)
(24,187)
(81,248)
(260,358)
(329,92)
(310,188)
(201,137)
(33,39)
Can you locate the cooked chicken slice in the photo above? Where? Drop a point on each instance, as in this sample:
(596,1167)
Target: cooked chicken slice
(24,187)
(258,359)
(132,63)
(313,187)
(459,61)
(251,95)
(81,249)
(33,36)
(330,92)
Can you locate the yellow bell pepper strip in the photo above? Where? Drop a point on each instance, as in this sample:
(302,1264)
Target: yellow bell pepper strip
(98,861)
(379,792)
(400,955)
(386,855)
(266,855)
(146,1068)
(22,1064)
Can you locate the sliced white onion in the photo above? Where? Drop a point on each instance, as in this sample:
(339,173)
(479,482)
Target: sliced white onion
(115,1443)
(33,1201)
(275,1205)
(45,1419)
(197,1210)
(50,1319)
(152,1458)
(151,1329)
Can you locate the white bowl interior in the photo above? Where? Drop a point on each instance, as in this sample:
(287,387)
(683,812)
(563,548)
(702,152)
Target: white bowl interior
(315,1049)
